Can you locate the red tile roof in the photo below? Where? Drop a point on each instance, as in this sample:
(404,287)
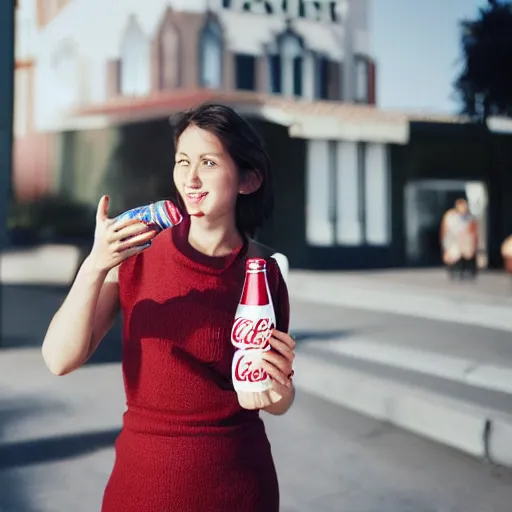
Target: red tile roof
(165,103)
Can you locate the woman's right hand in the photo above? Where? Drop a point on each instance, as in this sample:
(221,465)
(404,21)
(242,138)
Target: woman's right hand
(116,241)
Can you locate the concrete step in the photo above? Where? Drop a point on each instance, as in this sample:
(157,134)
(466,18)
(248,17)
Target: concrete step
(493,375)
(472,419)
(345,291)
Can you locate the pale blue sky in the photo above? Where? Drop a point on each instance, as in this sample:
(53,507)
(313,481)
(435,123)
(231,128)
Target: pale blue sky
(416,45)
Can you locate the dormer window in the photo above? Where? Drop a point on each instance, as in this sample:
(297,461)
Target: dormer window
(211,49)
(286,65)
(135,61)
(66,73)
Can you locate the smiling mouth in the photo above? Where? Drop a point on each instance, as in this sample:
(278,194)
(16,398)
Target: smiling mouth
(196,197)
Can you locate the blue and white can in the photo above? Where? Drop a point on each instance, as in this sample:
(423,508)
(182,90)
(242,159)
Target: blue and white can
(158,216)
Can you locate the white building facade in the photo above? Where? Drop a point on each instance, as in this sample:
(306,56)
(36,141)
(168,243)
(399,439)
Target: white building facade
(134,48)
(303,65)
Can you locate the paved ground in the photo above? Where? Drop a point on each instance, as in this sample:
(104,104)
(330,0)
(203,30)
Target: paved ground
(50,264)
(56,434)
(27,310)
(322,321)
(491,285)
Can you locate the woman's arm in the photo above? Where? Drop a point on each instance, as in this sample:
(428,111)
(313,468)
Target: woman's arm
(82,321)
(92,303)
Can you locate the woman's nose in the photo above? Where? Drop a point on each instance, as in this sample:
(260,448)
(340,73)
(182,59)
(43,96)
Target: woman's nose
(192,179)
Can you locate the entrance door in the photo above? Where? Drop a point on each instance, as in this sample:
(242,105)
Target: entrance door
(425,203)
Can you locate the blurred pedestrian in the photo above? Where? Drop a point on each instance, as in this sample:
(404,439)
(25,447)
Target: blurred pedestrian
(506,253)
(186,445)
(459,241)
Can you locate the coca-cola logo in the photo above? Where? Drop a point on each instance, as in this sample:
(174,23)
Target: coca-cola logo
(250,333)
(247,371)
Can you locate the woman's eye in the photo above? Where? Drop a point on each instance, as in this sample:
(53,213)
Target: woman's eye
(209,163)
(182,162)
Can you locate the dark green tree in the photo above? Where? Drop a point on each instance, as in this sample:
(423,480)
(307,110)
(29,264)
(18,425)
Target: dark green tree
(484,85)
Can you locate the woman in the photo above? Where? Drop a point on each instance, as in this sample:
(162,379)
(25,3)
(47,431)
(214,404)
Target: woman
(186,444)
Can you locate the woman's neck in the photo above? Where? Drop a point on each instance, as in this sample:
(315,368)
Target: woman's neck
(213,239)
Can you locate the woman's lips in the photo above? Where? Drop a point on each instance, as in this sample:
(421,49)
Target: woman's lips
(196,197)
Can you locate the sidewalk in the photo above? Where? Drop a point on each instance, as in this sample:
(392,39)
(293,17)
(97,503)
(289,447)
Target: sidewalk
(47,264)
(420,293)
(56,264)
(425,293)
(449,382)
(461,398)
(457,399)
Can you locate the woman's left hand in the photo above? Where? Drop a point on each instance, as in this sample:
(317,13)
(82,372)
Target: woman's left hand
(278,362)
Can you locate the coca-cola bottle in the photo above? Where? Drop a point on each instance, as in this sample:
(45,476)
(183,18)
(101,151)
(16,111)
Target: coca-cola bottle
(253,326)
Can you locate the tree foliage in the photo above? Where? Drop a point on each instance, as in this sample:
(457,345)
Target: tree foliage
(484,86)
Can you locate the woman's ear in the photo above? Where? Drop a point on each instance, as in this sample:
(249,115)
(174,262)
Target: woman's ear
(251,182)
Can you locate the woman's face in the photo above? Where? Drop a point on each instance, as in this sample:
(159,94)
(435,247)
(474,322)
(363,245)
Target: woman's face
(205,175)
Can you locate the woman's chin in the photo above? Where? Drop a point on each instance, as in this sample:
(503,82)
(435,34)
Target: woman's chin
(195,213)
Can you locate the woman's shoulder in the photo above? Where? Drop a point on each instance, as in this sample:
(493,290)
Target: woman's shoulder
(277,262)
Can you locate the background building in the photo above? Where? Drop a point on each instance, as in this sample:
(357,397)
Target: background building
(357,187)
(311,50)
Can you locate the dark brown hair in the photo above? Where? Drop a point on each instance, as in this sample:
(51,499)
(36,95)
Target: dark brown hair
(248,152)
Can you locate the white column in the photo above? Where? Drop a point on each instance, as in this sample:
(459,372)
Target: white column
(318,227)
(349,226)
(308,76)
(287,75)
(377,195)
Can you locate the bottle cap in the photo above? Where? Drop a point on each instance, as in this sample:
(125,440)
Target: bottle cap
(255,264)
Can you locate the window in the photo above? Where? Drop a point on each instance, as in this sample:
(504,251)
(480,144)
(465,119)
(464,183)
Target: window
(327,78)
(362,86)
(66,75)
(348,194)
(322,78)
(169,53)
(275,74)
(24,34)
(297,75)
(245,69)
(135,61)
(286,63)
(211,49)
(291,53)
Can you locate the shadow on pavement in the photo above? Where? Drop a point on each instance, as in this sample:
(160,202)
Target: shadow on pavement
(300,335)
(37,451)
(110,349)
(18,482)
(26,312)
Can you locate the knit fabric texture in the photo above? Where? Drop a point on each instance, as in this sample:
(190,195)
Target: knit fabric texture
(186,445)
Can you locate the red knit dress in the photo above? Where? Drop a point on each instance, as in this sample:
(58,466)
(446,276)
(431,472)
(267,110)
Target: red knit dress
(186,444)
